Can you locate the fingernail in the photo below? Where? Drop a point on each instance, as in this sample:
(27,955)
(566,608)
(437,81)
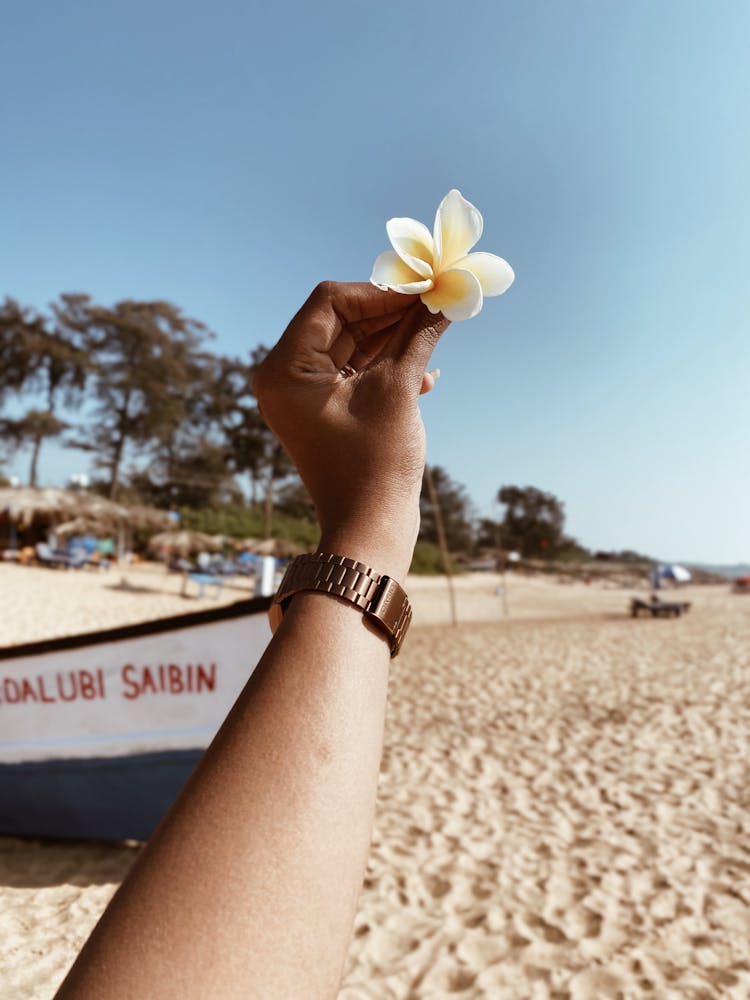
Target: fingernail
(435,372)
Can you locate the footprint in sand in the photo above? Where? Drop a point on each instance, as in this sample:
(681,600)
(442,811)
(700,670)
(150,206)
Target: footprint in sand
(597,984)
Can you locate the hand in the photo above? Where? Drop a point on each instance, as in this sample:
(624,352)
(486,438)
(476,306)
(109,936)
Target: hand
(358,442)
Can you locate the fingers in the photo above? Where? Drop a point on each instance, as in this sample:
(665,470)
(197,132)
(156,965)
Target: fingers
(358,324)
(356,301)
(336,308)
(415,337)
(359,343)
(428,381)
(366,350)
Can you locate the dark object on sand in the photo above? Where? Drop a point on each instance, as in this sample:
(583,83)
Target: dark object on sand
(657,608)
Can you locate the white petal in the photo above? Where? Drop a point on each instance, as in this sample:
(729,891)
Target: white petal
(412,241)
(458,226)
(495,274)
(389,271)
(457,295)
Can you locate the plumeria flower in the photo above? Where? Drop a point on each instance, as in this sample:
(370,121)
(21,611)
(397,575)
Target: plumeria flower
(438,266)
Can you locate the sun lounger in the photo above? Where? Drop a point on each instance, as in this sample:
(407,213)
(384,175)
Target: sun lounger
(47,557)
(203,580)
(658,609)
(79,558)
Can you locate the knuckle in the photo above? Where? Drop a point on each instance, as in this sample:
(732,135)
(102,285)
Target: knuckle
(428,335)
(322,291)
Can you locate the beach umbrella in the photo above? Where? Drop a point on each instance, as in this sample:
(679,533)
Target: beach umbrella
(675,572)
(140,516)
(87,524)
(245,544)
(282,548)
(184,541)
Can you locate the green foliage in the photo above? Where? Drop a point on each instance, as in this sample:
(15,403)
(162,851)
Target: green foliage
(47,356)
(148,378)
(239,521)
(252,449)
(455,509)
(489,534)
(427,560)
(533,522)
(624,556)
(571,550)
(294,500)
(19,327)
(196,474)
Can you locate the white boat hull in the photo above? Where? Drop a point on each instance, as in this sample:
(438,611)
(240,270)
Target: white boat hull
(99,732)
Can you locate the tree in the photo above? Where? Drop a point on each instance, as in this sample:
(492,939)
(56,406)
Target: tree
(293,500)
(252,447)
(455,507)
(18,325)
(489,534)
(533,522)
(147,365)
(32,428)
(196,475)
(48,356)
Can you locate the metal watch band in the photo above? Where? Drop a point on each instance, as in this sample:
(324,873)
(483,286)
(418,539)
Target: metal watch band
(378,596)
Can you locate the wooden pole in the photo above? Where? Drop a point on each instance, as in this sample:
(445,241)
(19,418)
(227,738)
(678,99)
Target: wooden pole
(441,541)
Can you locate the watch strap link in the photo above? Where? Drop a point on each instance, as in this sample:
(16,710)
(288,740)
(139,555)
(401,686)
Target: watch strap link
(380,597)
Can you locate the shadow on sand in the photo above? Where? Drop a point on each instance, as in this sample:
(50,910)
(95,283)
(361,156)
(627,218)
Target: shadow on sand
(36,864)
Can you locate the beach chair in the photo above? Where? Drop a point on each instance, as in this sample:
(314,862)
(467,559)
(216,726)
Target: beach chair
(658,609)
(47,557)
(203,580)
(80,558)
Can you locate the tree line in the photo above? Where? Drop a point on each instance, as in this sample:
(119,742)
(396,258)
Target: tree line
(167,421)
(137,382)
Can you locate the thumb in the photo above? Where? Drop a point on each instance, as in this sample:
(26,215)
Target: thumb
(414,339)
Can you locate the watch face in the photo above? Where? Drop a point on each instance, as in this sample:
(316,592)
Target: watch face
(275,614)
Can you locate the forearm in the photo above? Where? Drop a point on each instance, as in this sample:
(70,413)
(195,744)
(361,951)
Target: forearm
(249,887)
(240,891)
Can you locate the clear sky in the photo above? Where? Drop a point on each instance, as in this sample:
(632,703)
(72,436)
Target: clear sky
(228,156)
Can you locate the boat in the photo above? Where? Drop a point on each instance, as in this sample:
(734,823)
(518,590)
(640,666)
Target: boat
(100,731)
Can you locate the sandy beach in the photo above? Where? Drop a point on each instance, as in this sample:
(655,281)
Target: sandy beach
(563,808)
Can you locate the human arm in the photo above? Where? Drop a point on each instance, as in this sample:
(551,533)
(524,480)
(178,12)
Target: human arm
(249,887)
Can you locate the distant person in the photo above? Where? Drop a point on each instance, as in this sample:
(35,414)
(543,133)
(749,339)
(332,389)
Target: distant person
(249,886)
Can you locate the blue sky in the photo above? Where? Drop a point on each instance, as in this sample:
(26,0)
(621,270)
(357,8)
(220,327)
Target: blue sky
(228,157)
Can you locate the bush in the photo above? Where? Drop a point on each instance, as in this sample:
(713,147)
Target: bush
(427,560)
(245,522)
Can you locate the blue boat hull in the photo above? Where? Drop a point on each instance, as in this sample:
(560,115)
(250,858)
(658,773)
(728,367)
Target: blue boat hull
(102,798)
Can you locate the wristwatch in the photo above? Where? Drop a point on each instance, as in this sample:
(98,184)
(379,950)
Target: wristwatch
(381,599)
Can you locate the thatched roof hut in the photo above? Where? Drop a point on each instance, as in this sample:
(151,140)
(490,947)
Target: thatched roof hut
(49,507)
(185,541)
(282,548)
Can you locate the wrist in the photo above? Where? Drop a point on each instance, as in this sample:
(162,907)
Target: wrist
(388,553)
(379,597)
(377,527)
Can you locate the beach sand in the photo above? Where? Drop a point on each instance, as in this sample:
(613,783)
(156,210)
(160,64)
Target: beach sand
(563,811)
